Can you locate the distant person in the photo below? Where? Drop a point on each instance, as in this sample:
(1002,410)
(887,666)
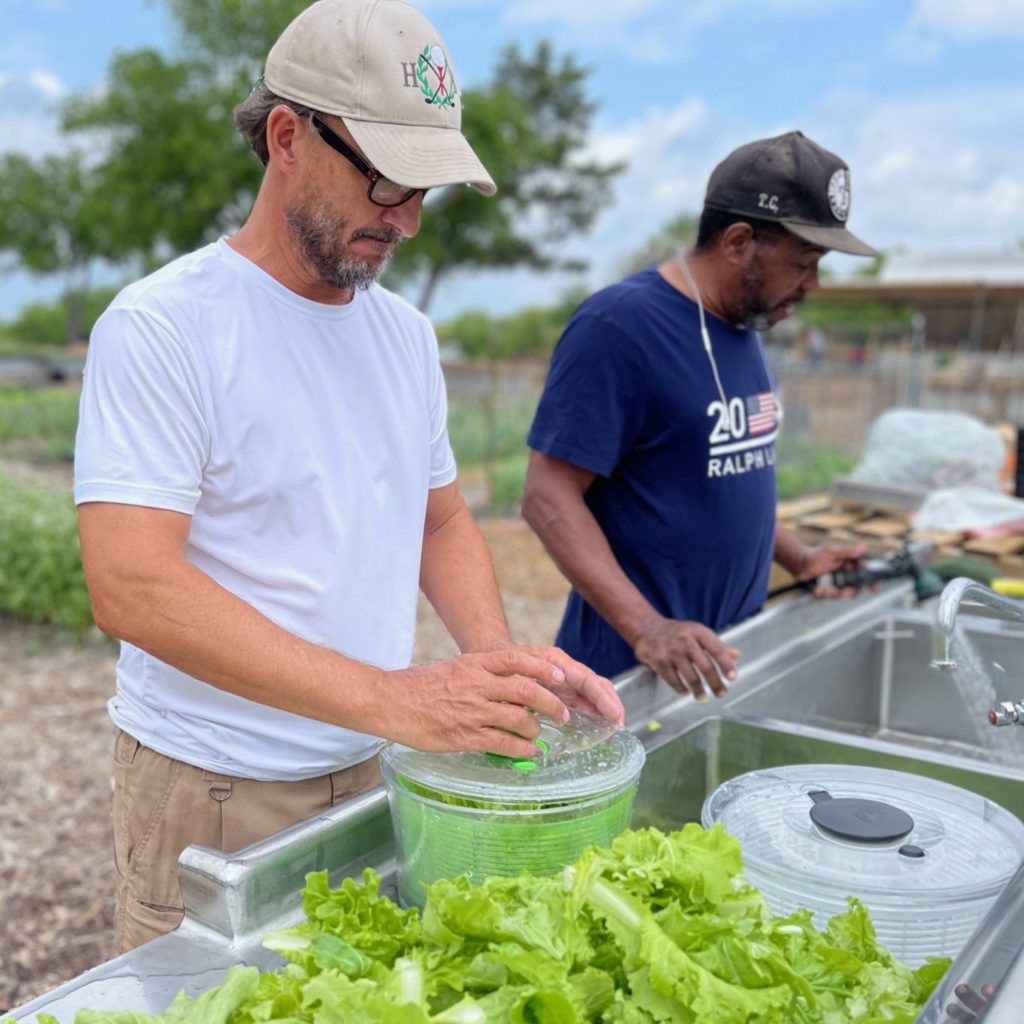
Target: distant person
(815,347)
(265,481)
(652,476)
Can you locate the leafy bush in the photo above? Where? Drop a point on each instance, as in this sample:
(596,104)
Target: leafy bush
(41,578)
(39,424)
(51,413)
(477,433)
(507,480)
(46,323)
(804,466)
(536,329)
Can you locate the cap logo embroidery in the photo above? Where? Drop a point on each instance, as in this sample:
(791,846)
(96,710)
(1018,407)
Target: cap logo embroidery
(432,72)
(768,202)
(839,194)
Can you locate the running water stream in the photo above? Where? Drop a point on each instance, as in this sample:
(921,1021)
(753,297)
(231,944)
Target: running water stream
(982,685)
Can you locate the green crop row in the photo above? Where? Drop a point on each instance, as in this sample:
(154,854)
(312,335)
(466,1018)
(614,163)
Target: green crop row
(41,577)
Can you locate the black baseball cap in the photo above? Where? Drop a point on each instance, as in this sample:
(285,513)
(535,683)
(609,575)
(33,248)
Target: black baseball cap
(793,181)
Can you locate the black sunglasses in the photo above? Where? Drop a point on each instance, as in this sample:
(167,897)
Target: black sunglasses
(382,191)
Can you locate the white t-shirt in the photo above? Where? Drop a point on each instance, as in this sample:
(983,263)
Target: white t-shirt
(303,439)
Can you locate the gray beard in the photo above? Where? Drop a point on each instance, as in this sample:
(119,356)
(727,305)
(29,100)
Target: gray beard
(755,322)
(317,237)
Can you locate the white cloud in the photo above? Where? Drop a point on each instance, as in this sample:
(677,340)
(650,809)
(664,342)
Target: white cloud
(929,173)
(976,19)
(28,115)
(584,14)
(47,83)
(933,171)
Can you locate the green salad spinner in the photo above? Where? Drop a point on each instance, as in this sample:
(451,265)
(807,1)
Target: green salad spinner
(483,815)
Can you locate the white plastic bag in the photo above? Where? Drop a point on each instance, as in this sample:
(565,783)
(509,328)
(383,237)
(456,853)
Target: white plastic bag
(970,510)
(922,448)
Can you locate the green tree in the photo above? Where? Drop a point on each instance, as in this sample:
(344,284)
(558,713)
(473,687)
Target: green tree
(177,174)
(46,323)
(532,330)
(492,339)
(678,234)
(529,125)
(52,222)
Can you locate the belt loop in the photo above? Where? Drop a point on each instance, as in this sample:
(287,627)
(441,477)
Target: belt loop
(220,791)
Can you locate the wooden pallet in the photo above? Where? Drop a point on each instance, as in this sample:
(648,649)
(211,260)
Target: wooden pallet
(822,518)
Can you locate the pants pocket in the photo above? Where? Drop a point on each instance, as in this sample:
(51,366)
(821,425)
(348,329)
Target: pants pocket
(355,780)
(151,829)
(139,922)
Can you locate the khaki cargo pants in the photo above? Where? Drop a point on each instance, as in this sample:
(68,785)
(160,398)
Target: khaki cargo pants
(160,806)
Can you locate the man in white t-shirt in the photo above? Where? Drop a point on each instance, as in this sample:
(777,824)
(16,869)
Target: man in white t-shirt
(264,481)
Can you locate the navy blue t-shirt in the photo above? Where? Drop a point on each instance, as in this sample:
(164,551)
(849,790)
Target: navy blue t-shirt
(685,486)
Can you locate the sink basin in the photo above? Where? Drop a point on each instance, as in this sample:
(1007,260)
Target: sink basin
(877,681)
(680,773)
(821,682)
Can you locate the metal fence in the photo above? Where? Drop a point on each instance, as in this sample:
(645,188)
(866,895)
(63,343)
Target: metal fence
(834,402)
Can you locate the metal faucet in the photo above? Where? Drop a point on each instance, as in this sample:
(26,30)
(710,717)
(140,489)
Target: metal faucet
(967,591)
(1007,713)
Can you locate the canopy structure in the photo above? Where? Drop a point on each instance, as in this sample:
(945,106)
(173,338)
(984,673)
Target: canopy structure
(968,300)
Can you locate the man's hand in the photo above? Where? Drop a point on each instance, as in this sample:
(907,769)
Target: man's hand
(488,702)
(687,656)
(829,558)
(583,689)
(971,1004)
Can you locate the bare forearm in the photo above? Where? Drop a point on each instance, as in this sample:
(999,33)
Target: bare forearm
(457,576)
(579,548)
(183,617)
(145,591)
(790,553)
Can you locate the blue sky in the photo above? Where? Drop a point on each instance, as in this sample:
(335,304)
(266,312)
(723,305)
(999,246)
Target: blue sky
(923,98)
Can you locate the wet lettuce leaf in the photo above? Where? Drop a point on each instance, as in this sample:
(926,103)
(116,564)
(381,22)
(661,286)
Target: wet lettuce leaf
(657,927)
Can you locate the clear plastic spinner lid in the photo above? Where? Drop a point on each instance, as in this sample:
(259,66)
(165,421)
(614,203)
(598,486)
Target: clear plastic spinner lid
(587,756)
(867,830)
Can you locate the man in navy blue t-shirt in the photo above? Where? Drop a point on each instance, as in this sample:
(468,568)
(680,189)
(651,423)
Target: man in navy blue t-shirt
(651,478)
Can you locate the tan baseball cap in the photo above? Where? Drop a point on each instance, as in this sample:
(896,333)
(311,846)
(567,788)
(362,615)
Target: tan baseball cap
(386,72)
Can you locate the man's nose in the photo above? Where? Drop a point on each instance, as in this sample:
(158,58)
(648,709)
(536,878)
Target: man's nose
(405,218)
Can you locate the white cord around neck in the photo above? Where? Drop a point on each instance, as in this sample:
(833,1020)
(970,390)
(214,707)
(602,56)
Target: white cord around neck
(683,264)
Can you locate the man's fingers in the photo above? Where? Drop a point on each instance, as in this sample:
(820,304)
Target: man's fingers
(713,660)
(710,675)
(721,659)
(689,679)
(956,1013)
(969,997)
(597,692)
(582,687)
(507,744)
(527,681)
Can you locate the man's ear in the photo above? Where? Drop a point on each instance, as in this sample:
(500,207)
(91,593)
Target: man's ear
(284,132)
(737,242)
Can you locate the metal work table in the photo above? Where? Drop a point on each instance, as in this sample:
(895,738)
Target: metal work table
(819,679)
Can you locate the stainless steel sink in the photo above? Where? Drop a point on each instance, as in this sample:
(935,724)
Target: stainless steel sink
(821,682)
(681,772)
(878,681)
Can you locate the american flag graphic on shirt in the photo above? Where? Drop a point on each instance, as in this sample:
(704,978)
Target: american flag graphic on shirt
(761,413)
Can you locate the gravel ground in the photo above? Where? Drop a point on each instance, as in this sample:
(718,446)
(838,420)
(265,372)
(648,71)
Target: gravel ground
(56,866)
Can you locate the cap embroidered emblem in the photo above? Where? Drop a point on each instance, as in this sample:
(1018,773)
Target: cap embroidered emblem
(436,84)
(839,194)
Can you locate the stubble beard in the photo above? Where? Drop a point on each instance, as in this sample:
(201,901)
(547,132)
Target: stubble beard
(320,235)
(750,312)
